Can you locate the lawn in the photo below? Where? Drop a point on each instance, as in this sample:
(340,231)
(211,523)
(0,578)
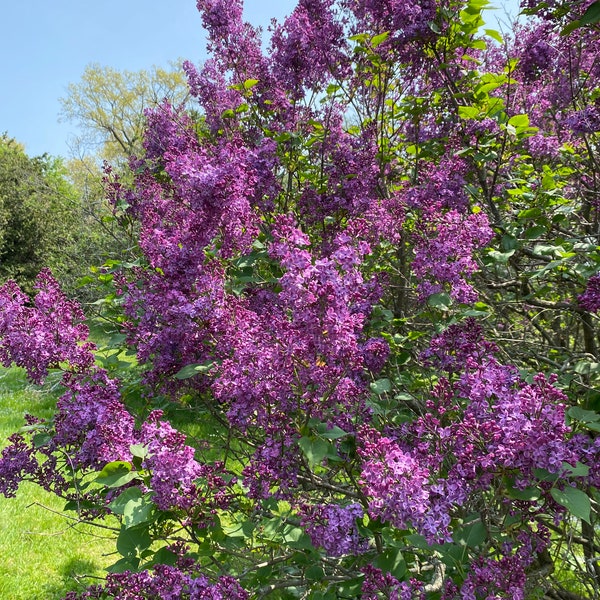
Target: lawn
(44,554)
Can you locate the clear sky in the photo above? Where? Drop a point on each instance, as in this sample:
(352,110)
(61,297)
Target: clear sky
(46,44)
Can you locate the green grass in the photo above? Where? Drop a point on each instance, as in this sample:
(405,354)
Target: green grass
(44,554)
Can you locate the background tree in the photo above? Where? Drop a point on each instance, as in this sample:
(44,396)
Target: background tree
(39,216)
(108,106)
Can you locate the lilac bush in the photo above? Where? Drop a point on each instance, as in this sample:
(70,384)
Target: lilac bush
(357,353)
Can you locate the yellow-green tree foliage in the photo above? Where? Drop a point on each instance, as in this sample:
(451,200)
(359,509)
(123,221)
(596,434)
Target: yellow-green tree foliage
(108,106)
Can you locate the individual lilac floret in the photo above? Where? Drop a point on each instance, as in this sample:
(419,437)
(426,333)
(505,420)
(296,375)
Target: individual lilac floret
(334,528)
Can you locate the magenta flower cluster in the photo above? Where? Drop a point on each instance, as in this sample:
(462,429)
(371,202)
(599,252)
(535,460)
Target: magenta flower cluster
(590,299)
(40,337)
(333,527)
(163,583)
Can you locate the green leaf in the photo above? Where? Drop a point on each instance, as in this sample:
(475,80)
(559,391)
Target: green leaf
(138,511)
(333,433)
(583,415)
(116,474)
(138,450)
(40,439)
(124,564)
(391,561)
(575,501)
(495,35)
(544,475)
(530,493)
(532,233)
(315,450)
(441,301)
(572,26)
(519,121)
(314,573)
(191,370)
(131,542)
(579,470)
(250,83)
(164,556)
(381,386)
(591,15)
(377,40)
(468,112)
(120,502)
(471,535)
(500,257)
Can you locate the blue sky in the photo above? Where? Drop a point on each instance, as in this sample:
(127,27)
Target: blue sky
(45,45)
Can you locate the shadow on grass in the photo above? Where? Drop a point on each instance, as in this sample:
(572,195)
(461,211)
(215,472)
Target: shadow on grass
(76,575)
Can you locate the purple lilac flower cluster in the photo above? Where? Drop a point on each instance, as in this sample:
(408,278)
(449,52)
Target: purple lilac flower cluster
(309,48)
(304,342)
(377,584)
(460,346)
(91,426)
(42,336)
(590,299)
(18,461)
(333,527)
(396,484)
(584,121)
(163,583)
(406,20)
(537,54)
(444,249)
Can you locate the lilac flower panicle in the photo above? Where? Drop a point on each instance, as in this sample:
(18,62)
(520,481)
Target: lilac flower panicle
(164,583)
(444,248)
(333,527)
(16,462)
(585,121)
(590,299)
(42,336)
